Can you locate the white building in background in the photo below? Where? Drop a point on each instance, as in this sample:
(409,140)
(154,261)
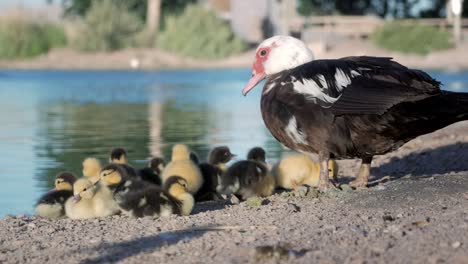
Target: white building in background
(254,20)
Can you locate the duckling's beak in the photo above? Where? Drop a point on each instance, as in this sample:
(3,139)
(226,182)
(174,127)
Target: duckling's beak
(76,198)
(233,156)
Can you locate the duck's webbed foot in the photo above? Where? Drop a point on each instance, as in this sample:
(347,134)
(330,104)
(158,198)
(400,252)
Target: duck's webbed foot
(363,176)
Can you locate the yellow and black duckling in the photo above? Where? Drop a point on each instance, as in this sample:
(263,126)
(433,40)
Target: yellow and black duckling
(181,165)
(152,173)
(91,169)
(212,171)
(138,199)
(52,204)
(90,200)
(248,178)
(119,156)
(298,169)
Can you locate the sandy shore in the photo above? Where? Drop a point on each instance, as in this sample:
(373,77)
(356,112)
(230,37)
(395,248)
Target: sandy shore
(454,59)
(420,215)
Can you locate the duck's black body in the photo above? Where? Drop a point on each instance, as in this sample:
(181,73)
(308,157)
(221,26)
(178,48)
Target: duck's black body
(152,173)
(356,107)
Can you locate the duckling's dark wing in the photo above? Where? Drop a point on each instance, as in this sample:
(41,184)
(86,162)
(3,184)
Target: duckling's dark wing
(131,172)
(148,175)
(54,197)
(210,175)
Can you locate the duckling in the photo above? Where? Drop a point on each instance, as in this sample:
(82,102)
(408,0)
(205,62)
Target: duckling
(212,171)
(90,200)
(248,178)
(52,204)
(299,169)
(138,199)
(183,166)
(152,173)
(119,156)
(91,169)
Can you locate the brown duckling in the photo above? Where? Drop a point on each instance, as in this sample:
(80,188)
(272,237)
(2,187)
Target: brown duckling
(138,198)
(52,204)
(181,165)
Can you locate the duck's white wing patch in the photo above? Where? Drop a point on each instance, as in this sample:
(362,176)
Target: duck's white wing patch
(318,91)
(294,133)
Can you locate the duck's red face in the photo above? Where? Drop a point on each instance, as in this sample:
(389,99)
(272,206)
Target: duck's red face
(258,69)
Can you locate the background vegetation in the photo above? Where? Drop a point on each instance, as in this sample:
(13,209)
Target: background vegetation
(108,25)
(199,33)
(21,38)
(411,38)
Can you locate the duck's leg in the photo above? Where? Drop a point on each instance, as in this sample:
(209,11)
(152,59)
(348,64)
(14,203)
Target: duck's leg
(324,180)
(363,175)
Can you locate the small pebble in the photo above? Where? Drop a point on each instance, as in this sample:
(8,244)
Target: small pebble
(254,201)
(456,244)
(346,188)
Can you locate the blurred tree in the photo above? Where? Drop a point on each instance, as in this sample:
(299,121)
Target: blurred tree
(80,7)
(153,13)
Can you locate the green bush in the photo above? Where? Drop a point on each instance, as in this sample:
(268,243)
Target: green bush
(21,38)
(411,38)
(198,33)
(108,26)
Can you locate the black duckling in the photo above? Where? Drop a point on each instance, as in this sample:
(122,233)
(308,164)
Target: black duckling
(181,165)
(90,200)
(138,198)
(119,156)
(249,177)
(152,173)
(52,204)
(212,171)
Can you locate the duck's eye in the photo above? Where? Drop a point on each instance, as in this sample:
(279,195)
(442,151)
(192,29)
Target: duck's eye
(263,53)
(84,190)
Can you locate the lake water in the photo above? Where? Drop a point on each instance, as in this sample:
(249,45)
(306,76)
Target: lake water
(51,120)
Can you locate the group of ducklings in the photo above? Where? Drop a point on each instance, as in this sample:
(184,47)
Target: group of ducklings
(162,189)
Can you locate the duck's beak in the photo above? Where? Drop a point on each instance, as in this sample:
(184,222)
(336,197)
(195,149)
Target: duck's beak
(76,198)
(254,80)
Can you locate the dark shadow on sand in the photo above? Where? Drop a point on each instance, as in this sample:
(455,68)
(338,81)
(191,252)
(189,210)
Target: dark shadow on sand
(117,252)
(426,163)
(210,206)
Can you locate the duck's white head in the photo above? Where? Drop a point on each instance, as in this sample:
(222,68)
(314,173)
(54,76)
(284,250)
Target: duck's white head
(277,54)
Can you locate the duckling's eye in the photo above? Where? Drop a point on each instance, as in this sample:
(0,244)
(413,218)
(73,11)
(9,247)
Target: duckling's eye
(263,53)
(84,190)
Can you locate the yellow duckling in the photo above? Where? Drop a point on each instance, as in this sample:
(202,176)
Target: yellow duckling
(299,169)
(181,165)
(91,169)
(52,204)
(90,200)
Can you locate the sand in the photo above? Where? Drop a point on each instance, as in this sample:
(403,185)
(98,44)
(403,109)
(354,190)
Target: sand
(417,214)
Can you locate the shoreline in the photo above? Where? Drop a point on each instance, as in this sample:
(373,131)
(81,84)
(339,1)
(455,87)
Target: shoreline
(154,59)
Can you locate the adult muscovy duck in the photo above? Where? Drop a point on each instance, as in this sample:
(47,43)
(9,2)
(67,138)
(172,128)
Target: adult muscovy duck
(353,107)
